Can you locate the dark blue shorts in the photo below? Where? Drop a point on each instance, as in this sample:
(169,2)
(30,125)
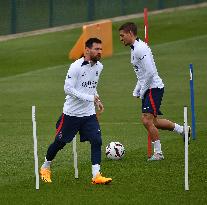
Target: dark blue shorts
(88,127)
(152,101)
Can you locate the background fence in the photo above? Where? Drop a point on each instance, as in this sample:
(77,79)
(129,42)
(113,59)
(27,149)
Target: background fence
(26,15)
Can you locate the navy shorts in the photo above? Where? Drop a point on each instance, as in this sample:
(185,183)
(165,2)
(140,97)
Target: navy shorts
(88,127)
(152,101)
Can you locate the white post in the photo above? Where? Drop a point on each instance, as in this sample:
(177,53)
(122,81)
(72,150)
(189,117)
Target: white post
(186,147)
(35,147)
(75,157)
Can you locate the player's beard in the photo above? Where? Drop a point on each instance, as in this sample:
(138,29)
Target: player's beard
(96,58)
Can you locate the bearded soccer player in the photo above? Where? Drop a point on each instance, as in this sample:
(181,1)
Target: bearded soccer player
(149,88)
(79,111)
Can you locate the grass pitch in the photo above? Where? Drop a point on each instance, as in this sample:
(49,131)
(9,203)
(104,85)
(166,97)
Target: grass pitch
(32,72)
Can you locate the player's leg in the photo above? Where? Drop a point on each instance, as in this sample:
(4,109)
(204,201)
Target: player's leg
(165,124)
(150,109)
(65,132)
(97,178)
(148,122)
(90,131)
(53,149)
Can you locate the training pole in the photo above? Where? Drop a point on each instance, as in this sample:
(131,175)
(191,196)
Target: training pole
(75,157)
(35,147)
(146,39)
(186,147)
(192,102)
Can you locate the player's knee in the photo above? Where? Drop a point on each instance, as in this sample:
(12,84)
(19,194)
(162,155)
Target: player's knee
(146,122)
(96,141)
(146,119)
(156,123)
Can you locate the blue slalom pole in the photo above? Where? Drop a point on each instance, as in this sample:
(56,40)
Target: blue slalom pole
(192,102)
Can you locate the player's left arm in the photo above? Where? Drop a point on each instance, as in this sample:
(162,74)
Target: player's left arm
(98,103)
(99,107)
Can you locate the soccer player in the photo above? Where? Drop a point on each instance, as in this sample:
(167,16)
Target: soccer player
(79,111)
(149,88)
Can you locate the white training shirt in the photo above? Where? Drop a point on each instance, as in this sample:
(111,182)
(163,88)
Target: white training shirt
(80,87)
(144,67)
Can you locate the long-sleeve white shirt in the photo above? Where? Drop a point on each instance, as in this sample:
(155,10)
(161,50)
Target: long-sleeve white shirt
(144,67)
(80,87)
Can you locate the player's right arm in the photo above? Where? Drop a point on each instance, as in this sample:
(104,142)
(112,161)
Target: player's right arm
(136,91)
(70,82)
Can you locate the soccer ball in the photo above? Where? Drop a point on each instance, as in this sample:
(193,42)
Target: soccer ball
(115,150)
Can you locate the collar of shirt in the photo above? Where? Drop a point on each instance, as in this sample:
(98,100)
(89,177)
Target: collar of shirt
(87,62)
(132,46)
(84,63)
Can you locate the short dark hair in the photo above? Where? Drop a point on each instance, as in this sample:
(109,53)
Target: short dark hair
(129,26)
(90,41)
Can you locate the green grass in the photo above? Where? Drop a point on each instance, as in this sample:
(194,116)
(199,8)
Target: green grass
(32,72)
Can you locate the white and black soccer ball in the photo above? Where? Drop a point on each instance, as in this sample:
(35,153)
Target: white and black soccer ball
(115,150)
